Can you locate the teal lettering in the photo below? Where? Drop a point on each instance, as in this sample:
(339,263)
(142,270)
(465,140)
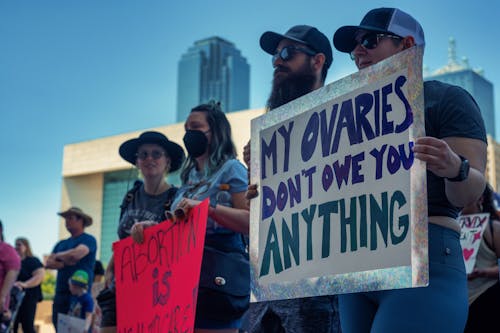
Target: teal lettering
(291,241)
(380,218)
(308,216)
(272,249)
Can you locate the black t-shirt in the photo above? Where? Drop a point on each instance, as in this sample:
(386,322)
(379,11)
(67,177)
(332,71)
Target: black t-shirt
(450,111)
(28,266)
(98,268)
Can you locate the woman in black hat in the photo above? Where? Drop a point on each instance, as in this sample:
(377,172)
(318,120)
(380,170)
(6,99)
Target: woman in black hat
(155,156)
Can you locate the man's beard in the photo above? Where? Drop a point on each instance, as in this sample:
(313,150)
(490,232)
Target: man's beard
(290,87)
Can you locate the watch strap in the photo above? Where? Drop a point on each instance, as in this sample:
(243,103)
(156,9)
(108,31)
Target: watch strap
(463,171)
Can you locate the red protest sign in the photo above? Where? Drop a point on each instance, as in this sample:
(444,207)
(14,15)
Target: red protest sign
(157,281)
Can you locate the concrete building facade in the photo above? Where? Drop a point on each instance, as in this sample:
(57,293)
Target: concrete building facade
(95,178)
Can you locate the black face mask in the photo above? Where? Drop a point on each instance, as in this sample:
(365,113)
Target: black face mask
(196,143)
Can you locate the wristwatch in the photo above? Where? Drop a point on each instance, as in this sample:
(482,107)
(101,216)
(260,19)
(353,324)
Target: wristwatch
(463,172)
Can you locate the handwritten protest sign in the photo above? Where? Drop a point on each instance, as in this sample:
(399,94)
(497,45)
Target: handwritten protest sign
(342,204)
(472,229)
(69,324)
(157,281)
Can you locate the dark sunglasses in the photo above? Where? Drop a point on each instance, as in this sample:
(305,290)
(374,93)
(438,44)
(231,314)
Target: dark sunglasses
(289,51)
(155,154)
(371,40)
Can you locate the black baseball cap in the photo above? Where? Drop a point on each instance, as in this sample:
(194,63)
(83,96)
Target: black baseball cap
(304,34)
(392,21)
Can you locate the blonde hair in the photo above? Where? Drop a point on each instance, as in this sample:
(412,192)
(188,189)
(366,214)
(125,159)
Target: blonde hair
(26,244)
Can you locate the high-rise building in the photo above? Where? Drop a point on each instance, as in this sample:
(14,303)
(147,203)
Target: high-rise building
(212,68)
(472,80)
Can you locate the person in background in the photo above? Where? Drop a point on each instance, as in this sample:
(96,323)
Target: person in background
(30,278)
(212,171)
(455,154)
(300,58)
(145,204)
(82,303)
(483,281)
(98,271)
(69,255)
(10,264)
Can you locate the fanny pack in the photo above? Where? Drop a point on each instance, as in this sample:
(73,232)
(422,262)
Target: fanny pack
(224,288)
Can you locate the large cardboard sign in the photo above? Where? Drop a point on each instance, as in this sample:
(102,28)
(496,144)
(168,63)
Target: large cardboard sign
(472,230)
(69,324)
(342,204)
(157,281)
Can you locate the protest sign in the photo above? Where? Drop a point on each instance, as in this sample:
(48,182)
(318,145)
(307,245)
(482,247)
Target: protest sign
(472,229)
(69,324)
(157,281)
(342,203)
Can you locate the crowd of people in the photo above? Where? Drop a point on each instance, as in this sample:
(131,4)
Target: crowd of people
(453,149)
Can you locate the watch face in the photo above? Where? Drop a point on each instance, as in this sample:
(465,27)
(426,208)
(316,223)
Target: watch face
(464,169)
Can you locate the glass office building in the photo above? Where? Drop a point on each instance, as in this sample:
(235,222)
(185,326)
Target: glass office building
(472,80)
(212,68)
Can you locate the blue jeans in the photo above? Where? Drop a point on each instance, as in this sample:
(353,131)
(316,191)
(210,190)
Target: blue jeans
(60,305)
(440,307)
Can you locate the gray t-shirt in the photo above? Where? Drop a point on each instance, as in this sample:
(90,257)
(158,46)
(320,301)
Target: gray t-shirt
(144,207)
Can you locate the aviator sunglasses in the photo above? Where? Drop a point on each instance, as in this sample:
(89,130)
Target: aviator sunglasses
(371,40)
(289,51)
(155,154)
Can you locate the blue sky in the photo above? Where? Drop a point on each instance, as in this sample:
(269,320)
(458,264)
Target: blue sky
(72,71)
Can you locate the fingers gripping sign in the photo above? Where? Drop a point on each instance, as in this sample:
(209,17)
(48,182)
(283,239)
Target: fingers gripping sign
(246,154)
(438,155)
(137,231)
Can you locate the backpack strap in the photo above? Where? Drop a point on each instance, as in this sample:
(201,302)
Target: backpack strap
(172,191)
(127,199)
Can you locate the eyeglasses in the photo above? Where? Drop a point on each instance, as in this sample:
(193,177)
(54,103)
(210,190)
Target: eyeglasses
(155,154)
(371,40)
(289,51)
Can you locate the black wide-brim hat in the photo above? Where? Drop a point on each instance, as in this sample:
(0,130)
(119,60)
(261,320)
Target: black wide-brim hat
(128,149)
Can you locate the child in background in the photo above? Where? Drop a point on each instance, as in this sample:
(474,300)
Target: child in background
(82,304)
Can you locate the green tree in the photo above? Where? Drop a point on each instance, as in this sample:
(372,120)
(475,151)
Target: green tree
(48,285)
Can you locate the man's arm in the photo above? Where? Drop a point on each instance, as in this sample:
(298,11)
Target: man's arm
(471,189)
(71,257)
(53,262)
(68,257)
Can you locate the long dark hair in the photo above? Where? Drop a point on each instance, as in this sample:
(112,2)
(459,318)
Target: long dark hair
(489,203)
(221,148)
